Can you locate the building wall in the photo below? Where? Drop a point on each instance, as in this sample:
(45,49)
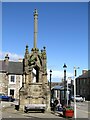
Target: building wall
(83,87)
(15,86)
(3,83)
(6,85)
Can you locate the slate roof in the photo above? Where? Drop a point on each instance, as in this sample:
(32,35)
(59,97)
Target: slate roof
(85,75)
(12,67)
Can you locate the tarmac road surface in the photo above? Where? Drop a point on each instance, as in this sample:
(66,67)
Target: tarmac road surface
(8,111)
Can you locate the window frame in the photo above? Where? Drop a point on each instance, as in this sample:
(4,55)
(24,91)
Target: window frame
(12,82)
(13,88)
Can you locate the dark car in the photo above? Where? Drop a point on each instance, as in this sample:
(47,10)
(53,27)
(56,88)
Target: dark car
(4,97)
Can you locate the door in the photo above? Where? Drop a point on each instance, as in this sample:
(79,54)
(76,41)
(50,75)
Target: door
(12,92)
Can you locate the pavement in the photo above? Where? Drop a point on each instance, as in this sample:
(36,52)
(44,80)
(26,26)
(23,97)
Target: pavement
(5,104)
(9,107)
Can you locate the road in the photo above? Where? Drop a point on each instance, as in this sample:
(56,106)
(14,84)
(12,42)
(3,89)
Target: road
(8,111)
(82,109)
(17,114)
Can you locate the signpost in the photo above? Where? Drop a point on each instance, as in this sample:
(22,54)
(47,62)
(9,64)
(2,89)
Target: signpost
(75,74)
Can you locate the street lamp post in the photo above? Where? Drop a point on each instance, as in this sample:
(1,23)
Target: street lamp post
(50,85)
(75,74)
(64,82)
(67,92)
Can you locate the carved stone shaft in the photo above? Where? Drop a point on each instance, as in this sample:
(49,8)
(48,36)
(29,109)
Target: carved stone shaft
(35,28)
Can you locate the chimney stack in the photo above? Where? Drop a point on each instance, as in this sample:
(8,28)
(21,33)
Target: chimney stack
(6,58)
(84,71)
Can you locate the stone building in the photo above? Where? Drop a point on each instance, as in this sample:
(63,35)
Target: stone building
(11,74)
(83,84)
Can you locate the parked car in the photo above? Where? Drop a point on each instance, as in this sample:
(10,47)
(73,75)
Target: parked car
(72,98)
(4,97)
(78,98)
(35,107)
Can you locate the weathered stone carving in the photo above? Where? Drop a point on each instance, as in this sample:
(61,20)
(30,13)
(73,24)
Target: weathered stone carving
(35,89)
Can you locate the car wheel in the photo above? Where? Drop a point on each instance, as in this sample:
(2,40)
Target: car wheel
(43,111)
(26,111)
(10,100)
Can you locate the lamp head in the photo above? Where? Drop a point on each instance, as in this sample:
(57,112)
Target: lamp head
(64,66)
(50,71)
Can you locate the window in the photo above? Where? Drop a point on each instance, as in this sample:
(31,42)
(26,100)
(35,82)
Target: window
(84,91)
(81,92)
(12,79)
(84,81)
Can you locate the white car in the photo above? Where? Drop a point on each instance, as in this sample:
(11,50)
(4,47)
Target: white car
(78,98)
(40,107)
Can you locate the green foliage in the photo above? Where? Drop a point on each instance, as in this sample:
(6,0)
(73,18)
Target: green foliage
(68,108)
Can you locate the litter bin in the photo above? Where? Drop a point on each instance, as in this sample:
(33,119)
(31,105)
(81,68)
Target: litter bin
(16,105)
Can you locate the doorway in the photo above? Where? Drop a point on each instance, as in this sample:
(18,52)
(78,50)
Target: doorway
(12,92)
(36,74)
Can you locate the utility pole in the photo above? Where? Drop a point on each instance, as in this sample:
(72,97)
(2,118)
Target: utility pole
(75,74)
(50,85)
(67,92)
(64,66)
